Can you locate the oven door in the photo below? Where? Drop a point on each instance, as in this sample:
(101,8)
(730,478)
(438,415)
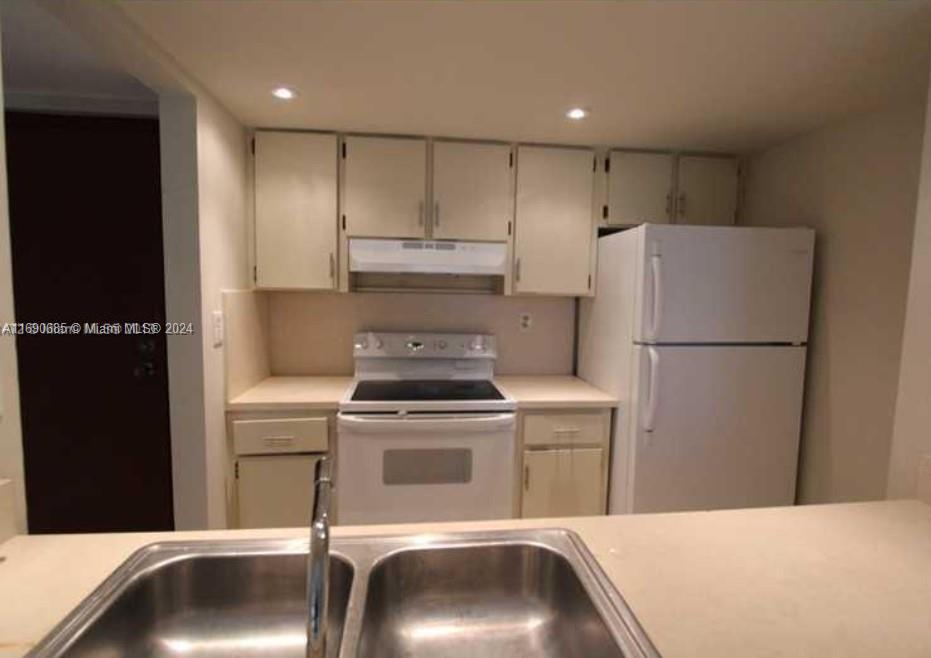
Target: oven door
(424,467)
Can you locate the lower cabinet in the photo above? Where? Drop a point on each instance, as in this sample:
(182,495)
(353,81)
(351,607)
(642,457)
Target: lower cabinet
(564,462)
(275,491)
(272,457)
(563,482)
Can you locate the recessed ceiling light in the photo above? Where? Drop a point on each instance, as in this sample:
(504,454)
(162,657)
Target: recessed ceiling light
(284,93)
(577,113)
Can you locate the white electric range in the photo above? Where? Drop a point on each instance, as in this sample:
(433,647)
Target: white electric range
(424,434)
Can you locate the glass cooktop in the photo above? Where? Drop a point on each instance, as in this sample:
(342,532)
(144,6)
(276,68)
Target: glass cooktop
(425,389)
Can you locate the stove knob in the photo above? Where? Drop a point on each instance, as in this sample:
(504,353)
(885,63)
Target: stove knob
(478,344)
(379,343)
(441,344)
(362,344)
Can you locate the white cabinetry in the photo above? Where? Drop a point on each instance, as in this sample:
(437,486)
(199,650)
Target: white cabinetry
(564,469)
(295,210)
(640,187)
(473,196)
(554,232)
(273,461)
(275,491)
(384,187)
(563,482)
(707,190)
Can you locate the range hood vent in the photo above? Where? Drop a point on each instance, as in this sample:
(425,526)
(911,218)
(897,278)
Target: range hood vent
(427,257)
(427,265)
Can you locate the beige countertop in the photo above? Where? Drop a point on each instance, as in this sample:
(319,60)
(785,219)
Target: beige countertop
(531,392)
(822,581)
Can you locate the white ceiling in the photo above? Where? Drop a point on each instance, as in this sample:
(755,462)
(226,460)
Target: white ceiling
(42,56)
(731,76)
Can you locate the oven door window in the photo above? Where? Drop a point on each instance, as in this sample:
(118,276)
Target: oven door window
(427,466)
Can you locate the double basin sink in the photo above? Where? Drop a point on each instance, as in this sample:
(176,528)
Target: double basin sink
(499,594)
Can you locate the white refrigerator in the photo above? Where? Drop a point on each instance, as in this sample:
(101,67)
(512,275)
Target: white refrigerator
(701,333)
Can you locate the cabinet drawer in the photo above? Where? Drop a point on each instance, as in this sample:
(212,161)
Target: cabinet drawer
(565,429)
(278,435)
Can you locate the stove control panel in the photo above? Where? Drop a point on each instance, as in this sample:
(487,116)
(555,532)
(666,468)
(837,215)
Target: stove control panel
(368,345)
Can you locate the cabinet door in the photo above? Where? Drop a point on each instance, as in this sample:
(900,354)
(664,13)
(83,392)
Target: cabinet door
(384,187)
(275,491)
(472,197)
(295,210)
(640,188)
(553,223)
(707,191)
(563,483)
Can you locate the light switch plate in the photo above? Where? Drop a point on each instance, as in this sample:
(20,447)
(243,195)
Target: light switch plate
(218,328)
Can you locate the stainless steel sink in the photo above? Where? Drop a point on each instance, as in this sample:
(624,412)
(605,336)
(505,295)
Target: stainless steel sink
(210,600)
(515,593)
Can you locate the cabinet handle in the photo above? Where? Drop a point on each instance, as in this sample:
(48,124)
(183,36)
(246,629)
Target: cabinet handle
(526,477)
(681,204)
(669,205)
(420,213)
(332,266)
(436,213)
(278,441)
(517,269)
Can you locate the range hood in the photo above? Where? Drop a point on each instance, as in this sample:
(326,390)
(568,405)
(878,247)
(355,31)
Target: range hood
(367,255)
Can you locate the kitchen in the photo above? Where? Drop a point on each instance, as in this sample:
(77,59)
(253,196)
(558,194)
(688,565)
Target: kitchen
(498,325)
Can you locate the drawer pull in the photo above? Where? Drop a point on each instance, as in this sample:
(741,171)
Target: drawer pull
(278,441)
(567,430)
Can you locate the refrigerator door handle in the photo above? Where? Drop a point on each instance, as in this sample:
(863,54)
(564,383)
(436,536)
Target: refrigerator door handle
(649,416)
(656,317)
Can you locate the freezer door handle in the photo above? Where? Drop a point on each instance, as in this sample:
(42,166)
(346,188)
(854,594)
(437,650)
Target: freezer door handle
(656,316)
(649,415)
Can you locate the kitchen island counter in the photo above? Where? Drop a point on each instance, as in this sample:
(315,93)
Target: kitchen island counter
(846,580)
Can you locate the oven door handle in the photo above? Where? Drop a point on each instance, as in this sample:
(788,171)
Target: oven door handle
(415,424)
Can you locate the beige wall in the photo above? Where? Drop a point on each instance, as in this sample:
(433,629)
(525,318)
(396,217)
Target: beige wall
(11,439)
(223,222)
(311,333)
(856,184)
(911,444)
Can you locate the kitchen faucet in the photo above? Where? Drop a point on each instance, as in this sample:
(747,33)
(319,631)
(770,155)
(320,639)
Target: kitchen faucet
(318,562)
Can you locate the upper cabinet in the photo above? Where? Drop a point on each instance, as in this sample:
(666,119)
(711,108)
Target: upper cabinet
(660,188)
(295,210)
(707,190)
(554,236)
(472,191)
(384,187)
(640,187)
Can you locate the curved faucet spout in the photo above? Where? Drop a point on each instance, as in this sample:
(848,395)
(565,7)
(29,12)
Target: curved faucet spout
(318,563)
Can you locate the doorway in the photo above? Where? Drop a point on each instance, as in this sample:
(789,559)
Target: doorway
(86,235)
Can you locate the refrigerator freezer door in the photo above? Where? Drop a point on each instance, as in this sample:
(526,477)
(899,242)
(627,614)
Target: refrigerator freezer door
(704,284)
(714,428)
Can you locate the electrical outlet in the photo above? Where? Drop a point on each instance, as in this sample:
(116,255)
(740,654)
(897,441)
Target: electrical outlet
(526,322)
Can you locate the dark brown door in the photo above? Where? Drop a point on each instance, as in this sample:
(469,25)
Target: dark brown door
(86,229)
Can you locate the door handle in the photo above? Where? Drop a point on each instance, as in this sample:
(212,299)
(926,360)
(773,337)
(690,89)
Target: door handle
(332,266)
(436,213)
(517,269)
(649,416)
(656,315)
(526,477)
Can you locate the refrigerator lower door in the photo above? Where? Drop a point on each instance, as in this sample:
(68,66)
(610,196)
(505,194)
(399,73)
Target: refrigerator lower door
(714,427)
